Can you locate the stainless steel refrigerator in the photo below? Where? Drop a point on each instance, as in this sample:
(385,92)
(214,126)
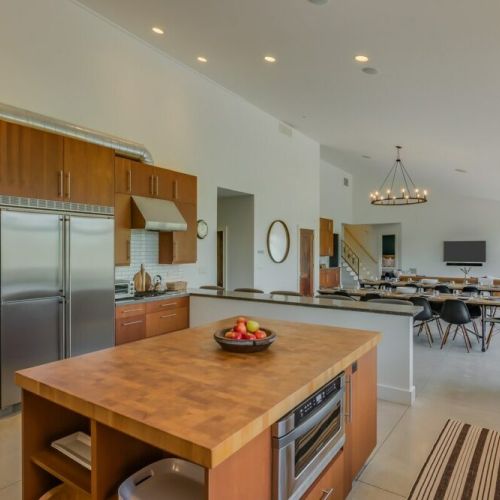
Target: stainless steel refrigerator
(57,290)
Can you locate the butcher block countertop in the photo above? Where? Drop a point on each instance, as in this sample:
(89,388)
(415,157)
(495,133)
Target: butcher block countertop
(180,392)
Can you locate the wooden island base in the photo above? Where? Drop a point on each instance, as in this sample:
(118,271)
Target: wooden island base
(121,446)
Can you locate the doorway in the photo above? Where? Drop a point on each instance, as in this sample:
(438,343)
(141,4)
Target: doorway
(306,238)
(235,239)
(389,256)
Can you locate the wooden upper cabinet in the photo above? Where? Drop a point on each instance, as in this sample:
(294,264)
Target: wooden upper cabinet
(185,188)
(123,223)
(88,173)
(134,177)
(326,237)
(164,183)
(180,247)
(31,162)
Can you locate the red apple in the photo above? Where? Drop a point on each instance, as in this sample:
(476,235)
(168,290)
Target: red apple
(240,328)
(260,334)
(241,319)
(230,335)
(249,336)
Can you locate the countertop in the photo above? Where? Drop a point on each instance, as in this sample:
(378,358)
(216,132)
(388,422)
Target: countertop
(182,393)
(139,300)
(327,303)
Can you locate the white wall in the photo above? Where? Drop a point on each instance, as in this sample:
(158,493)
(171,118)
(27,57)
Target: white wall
(235,216)
(425,227)
(336,199)
(61,60)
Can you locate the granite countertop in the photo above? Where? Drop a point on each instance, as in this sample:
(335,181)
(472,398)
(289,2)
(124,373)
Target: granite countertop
(139,300)
(327,303)
(182,393)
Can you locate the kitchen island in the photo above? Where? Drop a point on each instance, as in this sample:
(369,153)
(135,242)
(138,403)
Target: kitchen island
(181,395)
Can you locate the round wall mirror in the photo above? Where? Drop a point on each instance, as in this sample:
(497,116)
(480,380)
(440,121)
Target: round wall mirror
(278,241)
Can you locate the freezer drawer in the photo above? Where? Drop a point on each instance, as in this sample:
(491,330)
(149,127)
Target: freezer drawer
(31,334)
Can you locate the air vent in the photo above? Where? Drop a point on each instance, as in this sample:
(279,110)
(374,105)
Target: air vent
(346,182)
(285,129)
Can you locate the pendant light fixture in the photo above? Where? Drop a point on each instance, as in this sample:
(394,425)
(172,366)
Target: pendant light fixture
(398,187)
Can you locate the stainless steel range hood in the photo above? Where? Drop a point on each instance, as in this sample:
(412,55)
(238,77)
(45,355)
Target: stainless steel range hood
(153,214)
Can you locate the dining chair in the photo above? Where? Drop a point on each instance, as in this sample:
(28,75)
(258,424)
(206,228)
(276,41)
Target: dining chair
(424,317)
(249,290)
(401,302)
(442,288)
(456,313)
(493,322)
(286,292)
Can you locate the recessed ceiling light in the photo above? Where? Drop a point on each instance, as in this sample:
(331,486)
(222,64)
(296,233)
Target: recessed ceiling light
(370,71)
(319,2)
(461,170)
(360,58)
(157,30)
(368,157)
(202,59)
(270,59)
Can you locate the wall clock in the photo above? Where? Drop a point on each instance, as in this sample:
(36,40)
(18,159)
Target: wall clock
(202,229)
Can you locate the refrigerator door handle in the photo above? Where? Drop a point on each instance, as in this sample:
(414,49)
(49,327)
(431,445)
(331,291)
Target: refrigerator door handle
(62,325)
(67,287)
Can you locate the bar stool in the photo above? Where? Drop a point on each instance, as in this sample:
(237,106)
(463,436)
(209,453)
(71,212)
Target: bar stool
(370,296)
(249,290)
(212,287)
(286,292)
(336,297)
(455,312)
(341,292)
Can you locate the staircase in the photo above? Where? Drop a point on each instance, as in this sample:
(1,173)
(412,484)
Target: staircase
(353,269)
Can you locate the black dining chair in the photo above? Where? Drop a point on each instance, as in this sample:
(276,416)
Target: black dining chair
(400,302)
(442,288)
(474,309)
(424,317)
(456,313)
(370,296)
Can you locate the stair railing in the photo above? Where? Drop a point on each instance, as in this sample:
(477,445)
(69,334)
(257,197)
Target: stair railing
(350,257)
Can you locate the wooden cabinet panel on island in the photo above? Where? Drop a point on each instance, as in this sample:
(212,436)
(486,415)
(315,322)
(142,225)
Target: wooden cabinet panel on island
(180,247)
(331,482)
(31,162)
(329,277)
(88,172)
(326,237)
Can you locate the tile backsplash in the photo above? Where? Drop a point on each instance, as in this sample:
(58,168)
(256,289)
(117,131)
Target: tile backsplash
(144,250)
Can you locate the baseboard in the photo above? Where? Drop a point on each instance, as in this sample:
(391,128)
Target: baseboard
(396,394)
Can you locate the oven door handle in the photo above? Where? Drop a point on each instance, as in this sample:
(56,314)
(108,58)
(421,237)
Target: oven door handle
(313,420)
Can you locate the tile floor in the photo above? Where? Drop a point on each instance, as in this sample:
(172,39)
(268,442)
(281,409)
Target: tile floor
(449,383)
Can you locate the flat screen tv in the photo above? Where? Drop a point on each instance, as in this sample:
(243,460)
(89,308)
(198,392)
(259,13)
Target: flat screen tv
(465,251)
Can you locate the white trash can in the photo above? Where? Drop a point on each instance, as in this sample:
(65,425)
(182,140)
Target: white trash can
(167,479)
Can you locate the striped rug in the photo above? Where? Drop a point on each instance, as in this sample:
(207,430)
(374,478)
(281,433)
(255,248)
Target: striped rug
(463,465)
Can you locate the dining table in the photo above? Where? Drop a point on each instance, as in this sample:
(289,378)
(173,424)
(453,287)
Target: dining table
(424,285)
(484,302)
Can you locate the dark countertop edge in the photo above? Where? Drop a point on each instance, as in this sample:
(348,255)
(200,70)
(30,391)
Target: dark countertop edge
(366,307)
(165,296)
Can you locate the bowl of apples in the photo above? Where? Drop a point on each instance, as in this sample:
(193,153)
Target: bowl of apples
(245,336)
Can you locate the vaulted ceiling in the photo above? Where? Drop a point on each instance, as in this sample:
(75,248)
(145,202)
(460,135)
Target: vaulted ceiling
(437,91)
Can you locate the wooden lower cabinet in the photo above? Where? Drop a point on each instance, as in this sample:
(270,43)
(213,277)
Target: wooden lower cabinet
(330,485)
(329,277)
(149,319)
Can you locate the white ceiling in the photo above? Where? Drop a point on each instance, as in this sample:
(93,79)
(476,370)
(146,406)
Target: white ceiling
(437,92)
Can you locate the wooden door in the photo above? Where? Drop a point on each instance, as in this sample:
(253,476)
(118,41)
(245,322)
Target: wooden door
(31,162)
(307,262)
(123,223)
(89,173)
(326,237)
(180,247)
(164,183)
(185,188)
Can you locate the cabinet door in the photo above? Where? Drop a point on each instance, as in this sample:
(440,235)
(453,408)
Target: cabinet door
(185,188)
(363,410)
(31,162)
(164,183)
(123,175)
(89,173)
(162,322)
(142,179)
(130,329)
(330,485)
(180,247)
(323,237)
(123,223)
(330,240)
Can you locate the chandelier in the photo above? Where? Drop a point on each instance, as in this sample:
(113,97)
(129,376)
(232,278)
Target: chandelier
(398,187)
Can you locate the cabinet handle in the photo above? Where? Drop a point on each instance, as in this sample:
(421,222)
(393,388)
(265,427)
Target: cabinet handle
(176,195)
(60,190)
(171,304)
(133,310)
(349,414)
(157,186)
(168,316)
(129,180)
(128,249)
(151,188)
(133,322)
(68,179)
(326,494)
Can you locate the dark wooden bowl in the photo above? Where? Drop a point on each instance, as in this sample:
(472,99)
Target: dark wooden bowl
(244,346)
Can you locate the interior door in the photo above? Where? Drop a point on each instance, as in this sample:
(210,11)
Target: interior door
(307,262)
(90,287)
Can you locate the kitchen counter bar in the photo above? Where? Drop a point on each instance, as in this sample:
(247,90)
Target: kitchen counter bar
(181,393)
